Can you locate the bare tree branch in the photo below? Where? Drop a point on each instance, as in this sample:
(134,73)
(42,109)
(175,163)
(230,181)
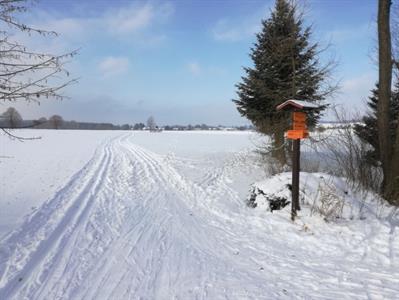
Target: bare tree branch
(27,75)
(19,138)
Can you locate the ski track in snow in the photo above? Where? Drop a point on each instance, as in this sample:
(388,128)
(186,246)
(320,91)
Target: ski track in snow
(129,226)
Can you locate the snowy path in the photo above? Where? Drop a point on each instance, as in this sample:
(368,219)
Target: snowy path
(129,226)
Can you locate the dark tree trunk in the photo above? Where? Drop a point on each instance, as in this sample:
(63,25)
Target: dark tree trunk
(384,91)
(393,190)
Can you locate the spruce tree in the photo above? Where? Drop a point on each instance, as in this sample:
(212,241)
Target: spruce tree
(368,131)
(285,66)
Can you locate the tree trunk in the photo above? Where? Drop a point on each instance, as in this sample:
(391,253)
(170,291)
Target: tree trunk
(393,188)
(279,146)
(384,91)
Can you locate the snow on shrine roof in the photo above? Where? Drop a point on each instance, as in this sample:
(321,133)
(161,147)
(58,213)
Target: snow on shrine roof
(298,104)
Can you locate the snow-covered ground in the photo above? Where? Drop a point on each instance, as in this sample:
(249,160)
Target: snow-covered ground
(139,215)
(33,171)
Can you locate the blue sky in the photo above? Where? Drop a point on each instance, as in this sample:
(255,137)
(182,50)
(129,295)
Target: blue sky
(180,60)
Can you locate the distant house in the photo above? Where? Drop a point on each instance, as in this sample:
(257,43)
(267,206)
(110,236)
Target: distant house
(156,129)
(228,128)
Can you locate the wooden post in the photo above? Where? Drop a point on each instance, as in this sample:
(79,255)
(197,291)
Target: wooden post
(295,177)
(299,131)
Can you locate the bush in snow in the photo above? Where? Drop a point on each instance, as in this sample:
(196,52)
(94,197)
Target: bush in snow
(327,203)
(348,155)
(321,194)
(275,202)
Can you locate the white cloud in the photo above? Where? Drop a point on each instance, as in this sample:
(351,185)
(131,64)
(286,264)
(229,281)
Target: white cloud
(134,18)
(234,30)
(112,66)
(69,27)
(359,85)
(225,30)
(130,19)
(354,92)
(343,35)
(194,68)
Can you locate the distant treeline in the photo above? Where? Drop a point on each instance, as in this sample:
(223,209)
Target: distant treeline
(61,124)
(71,125)
(205,127)
(11,118)
(50,124)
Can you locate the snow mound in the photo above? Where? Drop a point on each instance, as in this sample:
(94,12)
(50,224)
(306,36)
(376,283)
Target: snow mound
(320,194)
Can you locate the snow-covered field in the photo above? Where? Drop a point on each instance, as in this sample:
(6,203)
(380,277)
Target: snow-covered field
(139,215)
